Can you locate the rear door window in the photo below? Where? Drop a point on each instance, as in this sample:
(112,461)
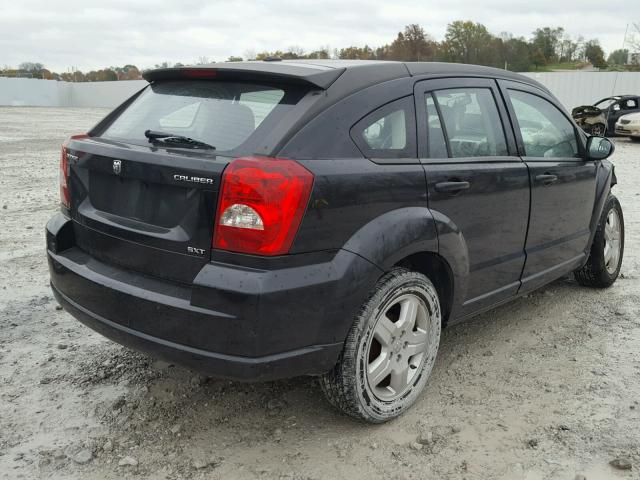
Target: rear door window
(226,115)
(472,122)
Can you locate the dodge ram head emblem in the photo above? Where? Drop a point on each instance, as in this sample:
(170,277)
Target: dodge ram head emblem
(117,166)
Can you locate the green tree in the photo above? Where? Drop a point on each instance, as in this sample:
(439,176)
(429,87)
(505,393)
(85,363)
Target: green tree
(548,40)
(567,49)
(516,53)
(128,72)
(356,53)
(468,42)
(413,45)
(619,57)
(322,53)
(32,67)
(594,53)
(383,53)
(538,58)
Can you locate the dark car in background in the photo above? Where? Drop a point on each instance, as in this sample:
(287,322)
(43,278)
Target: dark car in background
(600,119)
(264,220)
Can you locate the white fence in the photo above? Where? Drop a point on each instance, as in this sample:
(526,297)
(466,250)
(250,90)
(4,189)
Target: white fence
(585,88)
(572,88)
(50,93)
(103,94)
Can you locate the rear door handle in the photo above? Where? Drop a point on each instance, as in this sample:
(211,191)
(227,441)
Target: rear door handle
(452,187)
(547,178)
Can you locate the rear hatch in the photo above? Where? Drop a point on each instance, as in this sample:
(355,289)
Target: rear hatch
(150,206)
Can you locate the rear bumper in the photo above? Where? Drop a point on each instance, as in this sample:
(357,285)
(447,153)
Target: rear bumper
(314,359)
(232,322)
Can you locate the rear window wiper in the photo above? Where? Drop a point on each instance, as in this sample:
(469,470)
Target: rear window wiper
(173,139)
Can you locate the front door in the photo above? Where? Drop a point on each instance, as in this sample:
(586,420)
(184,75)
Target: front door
(563,185)
(476,183)
(622,107)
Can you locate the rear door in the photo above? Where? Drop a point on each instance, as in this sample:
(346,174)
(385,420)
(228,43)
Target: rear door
(150,206)
(563,184)
(476,181)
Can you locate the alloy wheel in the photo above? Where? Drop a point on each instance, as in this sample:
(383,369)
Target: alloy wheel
(612,241)
(398,347)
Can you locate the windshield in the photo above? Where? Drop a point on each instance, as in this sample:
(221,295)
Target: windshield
(224,115)
(603,104)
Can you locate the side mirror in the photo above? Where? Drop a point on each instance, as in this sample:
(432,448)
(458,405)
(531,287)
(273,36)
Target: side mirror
(599,148)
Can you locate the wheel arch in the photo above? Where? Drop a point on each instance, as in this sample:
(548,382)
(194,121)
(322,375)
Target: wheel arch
(423,240)
(605,179)
(437,269)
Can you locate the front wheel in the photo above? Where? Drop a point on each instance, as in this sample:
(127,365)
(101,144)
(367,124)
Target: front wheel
(605,259)
(598,130)
(390,349)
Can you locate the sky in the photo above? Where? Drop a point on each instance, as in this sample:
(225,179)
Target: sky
(89,34)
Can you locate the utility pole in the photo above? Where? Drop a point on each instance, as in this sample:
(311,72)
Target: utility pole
(624,42)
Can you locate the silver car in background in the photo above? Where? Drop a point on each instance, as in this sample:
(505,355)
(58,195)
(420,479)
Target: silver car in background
(629,126)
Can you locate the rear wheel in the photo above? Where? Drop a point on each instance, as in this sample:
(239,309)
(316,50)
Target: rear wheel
(605,259)
(390,349)
(635,139)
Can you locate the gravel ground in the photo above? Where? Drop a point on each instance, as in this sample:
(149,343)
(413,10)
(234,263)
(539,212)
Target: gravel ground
(546,387)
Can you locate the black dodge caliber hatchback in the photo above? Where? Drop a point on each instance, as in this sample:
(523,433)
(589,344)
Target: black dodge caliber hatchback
(270,219)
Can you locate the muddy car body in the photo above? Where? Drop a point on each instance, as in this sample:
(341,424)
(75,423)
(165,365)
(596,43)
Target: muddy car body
(270,219)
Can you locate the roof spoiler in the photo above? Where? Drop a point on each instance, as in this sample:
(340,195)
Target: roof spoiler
(280,72)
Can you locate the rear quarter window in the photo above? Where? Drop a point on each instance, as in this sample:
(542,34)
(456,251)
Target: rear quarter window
(227,115)
(388,132)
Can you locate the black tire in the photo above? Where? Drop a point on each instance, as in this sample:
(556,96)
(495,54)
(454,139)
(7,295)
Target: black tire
(598,272)
(347,386)
(598,130)
(635,139)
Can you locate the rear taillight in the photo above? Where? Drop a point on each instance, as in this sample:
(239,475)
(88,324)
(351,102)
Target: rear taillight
(261,205)
(65,196)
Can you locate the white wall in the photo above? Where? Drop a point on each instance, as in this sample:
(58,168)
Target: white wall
(34,92)
(103,94)
(571,88)
(585,88)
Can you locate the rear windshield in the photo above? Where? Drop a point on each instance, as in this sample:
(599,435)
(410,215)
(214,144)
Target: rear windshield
(227,115)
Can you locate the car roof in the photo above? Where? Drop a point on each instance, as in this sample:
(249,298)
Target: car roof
(617,97)
(323,73)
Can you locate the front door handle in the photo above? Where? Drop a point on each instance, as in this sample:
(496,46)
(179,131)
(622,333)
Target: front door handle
(547,178)
(452,187)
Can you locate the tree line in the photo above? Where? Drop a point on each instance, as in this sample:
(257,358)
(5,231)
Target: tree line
(471,42)
(463,42)
(38,70)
